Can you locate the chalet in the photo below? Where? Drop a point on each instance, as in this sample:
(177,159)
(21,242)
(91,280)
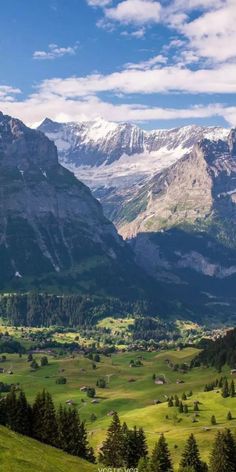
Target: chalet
(2,370)
(84,389)
(179,381)
(233,372)
(10,372)
(70,402)
(160,381)
(111,413)
(156,402)
(95,400)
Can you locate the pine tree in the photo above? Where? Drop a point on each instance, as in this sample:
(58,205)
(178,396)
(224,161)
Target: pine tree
(3,411)
(72,435)
(213,420)
(135,447)
(23,415)
(185,408)
(176,400)
(160,459)
(191,457)
(184,396)
(11,409)
(181,408)
(196,407)
(225,389)
(229,416)
(223,455)
(170,402)
(232,389)
(143,465)
(44,423)
(112,448)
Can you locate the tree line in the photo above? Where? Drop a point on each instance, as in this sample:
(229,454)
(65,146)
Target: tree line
(219,352)
(124,448)
(42,309)
(60,428)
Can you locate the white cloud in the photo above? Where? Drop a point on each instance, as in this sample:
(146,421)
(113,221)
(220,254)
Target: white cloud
(213,34)
(139,12)
(8,93)
(149,64)
(98,3)
(54,51)
(158,79)
(35,108)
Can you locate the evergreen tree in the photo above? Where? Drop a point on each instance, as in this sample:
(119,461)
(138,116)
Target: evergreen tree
(196,407)
(160,459)
(181,408)
(225,389)
(170,402)
(213,420)
(44,423)
(185,408)
(23,415)
(223,456)
(3,412)
(11,409)
(135,447)
(191,457)
(229,416)
(112,448)
(176,400)
(232,389)
(184,396)
(143,465)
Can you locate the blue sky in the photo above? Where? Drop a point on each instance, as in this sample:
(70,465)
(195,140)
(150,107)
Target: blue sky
(159,63)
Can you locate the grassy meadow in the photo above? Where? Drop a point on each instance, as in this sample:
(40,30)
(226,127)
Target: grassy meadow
(131,391)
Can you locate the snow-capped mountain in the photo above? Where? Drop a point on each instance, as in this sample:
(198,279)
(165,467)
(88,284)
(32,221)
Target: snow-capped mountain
(115,159)
(52,230)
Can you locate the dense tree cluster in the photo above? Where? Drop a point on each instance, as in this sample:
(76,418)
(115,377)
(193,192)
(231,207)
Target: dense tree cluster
(62,429)
(123,447)
(42,309)
(219,352)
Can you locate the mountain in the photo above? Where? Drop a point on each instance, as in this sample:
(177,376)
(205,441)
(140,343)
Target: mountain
(116,159)
(53,232)
(182,226)
(172,195)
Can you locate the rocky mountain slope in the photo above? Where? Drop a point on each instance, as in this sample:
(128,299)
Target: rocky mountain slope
(183,228)
(52,230)
(172,194)
(115,159)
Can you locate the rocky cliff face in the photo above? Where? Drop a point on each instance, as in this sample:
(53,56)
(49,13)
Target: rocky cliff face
(114,160)
(49,221)
(185,232)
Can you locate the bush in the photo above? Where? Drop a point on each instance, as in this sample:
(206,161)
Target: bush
(91,392)
(61,381)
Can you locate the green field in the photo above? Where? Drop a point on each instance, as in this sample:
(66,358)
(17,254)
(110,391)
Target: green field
(21,454)
(133,400)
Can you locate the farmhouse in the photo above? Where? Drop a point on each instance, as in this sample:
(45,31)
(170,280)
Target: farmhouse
(179,381)
(84,389)
(233,372)
(111,413)
(70,402)
(160,381)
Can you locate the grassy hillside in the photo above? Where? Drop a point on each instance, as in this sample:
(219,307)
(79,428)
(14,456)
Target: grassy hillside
(133,400)
(21,454)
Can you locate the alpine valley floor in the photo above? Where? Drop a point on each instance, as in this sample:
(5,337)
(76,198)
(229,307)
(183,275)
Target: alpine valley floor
(130,391)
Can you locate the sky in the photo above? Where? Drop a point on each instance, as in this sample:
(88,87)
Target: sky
(160,64)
